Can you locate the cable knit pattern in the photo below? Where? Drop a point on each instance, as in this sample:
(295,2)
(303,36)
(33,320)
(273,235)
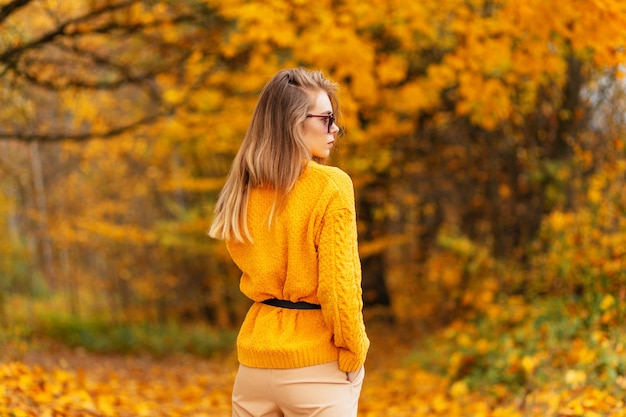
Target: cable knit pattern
(309,254)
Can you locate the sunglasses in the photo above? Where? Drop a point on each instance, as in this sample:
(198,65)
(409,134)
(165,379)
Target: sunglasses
(330,119)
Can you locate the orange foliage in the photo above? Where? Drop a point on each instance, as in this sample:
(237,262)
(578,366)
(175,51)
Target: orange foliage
(79,384)
(458,115)
(586,248)
(119,218)
(118,388)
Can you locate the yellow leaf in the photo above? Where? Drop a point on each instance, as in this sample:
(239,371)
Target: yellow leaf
(391,69)
(439,403)
(459,389)
(607,302)
(529,363)
(106,404)
(173,96)
(575,377)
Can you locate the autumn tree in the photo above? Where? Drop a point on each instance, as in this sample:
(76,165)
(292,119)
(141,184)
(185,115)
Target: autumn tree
(78,71)
(464,123)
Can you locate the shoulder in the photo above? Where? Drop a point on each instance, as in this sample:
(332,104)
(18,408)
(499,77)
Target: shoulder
(332,187)
(332,177)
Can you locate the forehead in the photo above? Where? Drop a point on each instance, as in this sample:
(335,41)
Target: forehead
(321,102)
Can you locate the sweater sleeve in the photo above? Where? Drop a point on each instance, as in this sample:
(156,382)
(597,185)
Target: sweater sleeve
(339,289)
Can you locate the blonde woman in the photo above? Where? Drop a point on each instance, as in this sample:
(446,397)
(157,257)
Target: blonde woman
(289,224)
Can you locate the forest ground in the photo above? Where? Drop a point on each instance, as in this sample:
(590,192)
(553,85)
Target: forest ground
(50,379)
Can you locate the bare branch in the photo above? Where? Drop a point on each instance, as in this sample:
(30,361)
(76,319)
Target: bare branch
(62,29)
(58,61)
(77,137)
(7,9)
(60,84)
(124,75)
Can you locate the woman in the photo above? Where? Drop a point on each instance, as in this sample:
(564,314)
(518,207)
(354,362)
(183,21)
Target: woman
(289,224)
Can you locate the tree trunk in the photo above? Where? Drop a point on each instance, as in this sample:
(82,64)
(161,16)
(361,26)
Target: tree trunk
(44,245)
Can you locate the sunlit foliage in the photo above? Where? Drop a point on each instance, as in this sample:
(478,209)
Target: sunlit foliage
(523,377)
(472,129)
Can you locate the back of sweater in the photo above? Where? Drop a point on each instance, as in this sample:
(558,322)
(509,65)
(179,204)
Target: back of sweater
(308,253)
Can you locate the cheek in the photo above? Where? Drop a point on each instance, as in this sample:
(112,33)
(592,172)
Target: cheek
(320,141)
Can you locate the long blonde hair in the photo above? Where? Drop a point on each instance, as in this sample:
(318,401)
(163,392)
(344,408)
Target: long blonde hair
(273,152)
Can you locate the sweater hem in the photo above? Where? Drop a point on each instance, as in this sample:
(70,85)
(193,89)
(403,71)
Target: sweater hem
(286,360)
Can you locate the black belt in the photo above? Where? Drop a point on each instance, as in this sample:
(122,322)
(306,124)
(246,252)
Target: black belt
(300,305)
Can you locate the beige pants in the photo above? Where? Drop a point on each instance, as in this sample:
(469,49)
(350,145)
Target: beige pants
(312,391)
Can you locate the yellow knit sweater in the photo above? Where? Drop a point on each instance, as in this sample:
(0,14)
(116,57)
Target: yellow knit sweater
(308,254)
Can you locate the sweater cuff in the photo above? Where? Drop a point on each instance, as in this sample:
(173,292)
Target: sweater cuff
(349,362)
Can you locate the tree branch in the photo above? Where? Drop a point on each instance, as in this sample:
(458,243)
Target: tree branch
(8,9)
(124,75)
(77,137)
(62,29)
(55,85)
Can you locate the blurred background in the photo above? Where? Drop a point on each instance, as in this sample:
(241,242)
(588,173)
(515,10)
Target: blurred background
(486,140)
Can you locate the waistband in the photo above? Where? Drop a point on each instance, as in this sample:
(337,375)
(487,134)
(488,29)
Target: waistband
(300,305)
